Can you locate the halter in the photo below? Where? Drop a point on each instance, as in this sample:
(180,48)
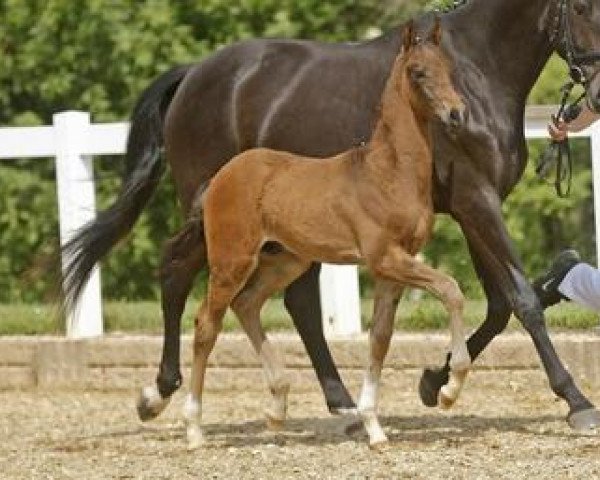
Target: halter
(563,37)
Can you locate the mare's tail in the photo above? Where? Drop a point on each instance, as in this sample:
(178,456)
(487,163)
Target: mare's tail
(144,169)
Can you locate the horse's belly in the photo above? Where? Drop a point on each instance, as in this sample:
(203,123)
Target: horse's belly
(317,238)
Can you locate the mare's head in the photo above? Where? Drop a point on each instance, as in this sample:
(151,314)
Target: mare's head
(578,37)
(425,76)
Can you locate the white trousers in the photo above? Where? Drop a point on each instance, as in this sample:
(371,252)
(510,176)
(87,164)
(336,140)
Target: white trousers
(582,285)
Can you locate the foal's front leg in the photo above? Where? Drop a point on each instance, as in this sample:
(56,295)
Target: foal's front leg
(382,325)
(399,265)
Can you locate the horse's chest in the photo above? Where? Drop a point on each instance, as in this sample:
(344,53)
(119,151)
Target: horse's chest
(411,228)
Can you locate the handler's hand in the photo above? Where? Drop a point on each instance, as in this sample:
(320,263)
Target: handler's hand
(558,130)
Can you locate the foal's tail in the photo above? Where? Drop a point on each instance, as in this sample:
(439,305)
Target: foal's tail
(144,169)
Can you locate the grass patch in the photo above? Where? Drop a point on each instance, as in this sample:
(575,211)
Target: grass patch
(145,317)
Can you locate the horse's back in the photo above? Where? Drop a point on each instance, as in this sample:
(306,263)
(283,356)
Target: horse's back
(306,97)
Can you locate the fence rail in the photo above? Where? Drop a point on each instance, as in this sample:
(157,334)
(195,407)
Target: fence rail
(73,140)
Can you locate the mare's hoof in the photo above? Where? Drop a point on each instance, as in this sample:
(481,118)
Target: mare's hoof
(429,387)
(585,421)
(380,446)
(343,411)
(353,426)
(150,404)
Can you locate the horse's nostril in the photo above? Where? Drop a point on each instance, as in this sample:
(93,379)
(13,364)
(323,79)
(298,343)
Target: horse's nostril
(455,116)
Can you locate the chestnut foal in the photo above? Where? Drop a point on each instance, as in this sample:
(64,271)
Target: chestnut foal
(370,205)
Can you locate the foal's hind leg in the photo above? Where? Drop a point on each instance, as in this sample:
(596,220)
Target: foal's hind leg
(382,324)
(183,256)
(397,264)
(274,273)
(225,281)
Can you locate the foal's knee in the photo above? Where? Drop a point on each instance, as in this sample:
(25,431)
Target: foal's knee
(451,295)
(206,331)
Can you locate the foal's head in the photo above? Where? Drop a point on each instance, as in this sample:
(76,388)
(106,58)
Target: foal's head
(424,76)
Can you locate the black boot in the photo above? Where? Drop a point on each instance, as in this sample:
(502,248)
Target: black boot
(546,286)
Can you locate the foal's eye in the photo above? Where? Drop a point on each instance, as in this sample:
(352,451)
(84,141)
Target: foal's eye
(418,74)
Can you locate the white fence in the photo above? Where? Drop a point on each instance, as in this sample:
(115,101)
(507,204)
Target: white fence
(73,140)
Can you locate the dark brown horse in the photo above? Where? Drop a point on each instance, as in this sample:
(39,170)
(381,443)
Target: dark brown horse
(317,99)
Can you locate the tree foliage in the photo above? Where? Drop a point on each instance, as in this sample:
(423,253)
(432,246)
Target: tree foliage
(98,55)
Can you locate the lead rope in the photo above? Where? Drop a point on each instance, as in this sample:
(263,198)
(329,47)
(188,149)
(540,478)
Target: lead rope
(558,153)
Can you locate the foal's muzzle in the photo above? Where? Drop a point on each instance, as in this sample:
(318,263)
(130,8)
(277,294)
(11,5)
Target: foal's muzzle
(454,117)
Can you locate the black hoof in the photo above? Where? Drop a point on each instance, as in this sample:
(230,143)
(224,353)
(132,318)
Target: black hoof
(150,406)
(354,427)
(430,384)
(144,411)
(339,401)
(585,421)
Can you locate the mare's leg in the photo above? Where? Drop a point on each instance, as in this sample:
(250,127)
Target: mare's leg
(274,273)
(227,278)
(498,314)
(396,264)
(483,226)
(382,325)
(302,301)
(183,256)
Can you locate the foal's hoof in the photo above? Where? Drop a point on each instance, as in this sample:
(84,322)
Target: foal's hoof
(445,402)
(429,386)
(195,439)
(274,424)
(586,422)
(380,446)
(150,404)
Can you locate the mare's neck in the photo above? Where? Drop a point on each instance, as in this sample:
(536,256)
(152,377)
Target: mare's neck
(515,43)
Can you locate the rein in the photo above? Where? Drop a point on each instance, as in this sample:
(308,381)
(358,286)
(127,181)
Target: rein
(559,152)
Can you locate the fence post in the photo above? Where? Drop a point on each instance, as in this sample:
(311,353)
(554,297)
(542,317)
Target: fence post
(77,206)
(595,149)
(340,300)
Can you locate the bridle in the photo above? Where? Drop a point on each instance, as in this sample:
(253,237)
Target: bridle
(562,38)
(559,152)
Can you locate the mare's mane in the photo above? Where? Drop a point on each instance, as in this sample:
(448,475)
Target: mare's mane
(453,6)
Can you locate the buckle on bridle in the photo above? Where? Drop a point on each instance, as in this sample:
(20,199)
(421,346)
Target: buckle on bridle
(577,75)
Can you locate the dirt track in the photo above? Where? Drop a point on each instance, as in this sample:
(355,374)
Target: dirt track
(506,425)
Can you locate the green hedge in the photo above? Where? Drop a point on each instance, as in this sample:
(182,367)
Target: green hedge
(99,54)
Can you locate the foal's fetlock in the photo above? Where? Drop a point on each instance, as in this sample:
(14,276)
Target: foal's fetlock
(378,440)
(151,403)
(460,360)
(449,393)
(276,412)
(192,415)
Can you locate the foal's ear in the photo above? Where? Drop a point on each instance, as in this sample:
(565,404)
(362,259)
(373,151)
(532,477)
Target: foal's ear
(435,36)
(409,36)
